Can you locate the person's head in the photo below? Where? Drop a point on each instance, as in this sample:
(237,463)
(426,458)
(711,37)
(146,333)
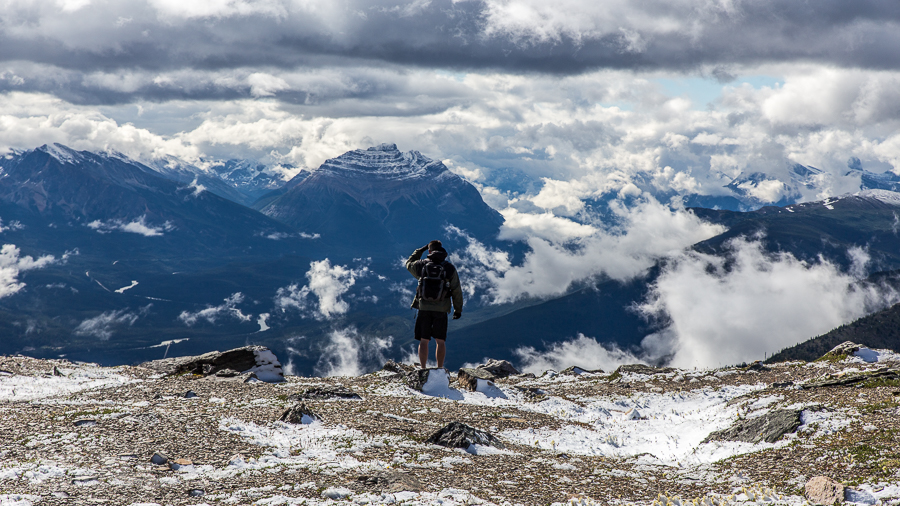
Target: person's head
(434,245)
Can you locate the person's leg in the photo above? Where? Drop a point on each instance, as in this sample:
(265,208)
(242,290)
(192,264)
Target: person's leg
(423,352)
(439,353)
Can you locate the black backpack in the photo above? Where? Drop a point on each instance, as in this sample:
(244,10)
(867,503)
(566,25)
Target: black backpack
(433,281)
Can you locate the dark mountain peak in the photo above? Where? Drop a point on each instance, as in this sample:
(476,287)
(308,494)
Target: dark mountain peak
(385,197)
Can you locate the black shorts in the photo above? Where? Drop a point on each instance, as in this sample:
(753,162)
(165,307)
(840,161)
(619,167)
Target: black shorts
(431,324)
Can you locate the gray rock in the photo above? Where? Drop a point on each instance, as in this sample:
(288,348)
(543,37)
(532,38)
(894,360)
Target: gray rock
(460,435)
(395,367)
(768,427)
(824,490)
(159,458)
(391,482)
(190,394)
(295,414)
(85,423)
(468,377)
(209,364)
(643,369)
(196,492)
(227,373)
(499,368)
(844,349)
(885,373)
(322,393)
(577,371)
(417,378)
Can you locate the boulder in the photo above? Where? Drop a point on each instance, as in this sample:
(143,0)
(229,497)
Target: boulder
(884,373)
(299,414)
(460,435)
(159,458)
(391,482)
(417,378)
(498,368)
(324,392)
(256,359)
(825,491)
(468,377)
(768,427)
(398,368)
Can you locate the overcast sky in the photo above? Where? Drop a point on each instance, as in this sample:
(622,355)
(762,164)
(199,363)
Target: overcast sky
(686,93)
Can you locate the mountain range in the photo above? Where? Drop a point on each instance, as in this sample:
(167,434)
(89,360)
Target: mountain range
(221,254)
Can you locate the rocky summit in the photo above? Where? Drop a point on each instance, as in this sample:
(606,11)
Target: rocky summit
(180,433)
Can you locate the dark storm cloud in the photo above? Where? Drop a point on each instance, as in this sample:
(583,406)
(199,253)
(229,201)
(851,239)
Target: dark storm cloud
(571,38)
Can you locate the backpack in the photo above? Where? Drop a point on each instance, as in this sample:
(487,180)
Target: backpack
(433,282)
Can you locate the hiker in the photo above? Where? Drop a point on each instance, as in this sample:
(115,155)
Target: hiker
(438,285)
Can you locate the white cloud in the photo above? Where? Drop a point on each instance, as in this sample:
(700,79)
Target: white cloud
(584,352)
(642,234)
(328,283)
(102,326)
(213,313)
(12,227)
(137,226)
(520,226)
(727,310)
(12,264)
(349,353)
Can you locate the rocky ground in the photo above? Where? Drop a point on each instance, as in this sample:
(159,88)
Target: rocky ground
(82,434)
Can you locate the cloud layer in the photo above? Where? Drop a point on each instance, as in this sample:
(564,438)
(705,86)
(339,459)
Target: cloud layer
(327,283)
(12,264)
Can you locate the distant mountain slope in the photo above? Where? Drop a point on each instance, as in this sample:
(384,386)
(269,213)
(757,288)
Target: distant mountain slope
(382,202)
(116,208)
(828,227)
(877,330)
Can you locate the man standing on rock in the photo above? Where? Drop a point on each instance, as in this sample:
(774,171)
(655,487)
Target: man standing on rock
(438,285)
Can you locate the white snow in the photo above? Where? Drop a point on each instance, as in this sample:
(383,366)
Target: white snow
(886,196)
(438,385)
(871,356)
(129,287)
(268,368)
(26,388)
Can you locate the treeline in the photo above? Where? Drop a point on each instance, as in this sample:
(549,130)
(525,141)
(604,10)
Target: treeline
(878,330)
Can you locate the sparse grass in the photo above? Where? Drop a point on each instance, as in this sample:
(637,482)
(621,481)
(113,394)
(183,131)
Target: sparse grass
(832,357)
(880,382)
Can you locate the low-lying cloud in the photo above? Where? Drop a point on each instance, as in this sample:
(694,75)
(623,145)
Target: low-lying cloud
(136,226)
(723,310)
(585,352)
(350,353)
(327,284)
(12,264)
(104,325)
(212,314)
(641,234)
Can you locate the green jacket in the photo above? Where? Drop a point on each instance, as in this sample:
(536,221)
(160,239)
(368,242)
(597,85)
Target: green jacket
(414,266)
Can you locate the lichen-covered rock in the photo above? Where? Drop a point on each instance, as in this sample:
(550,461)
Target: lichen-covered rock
(391,482)
(768,427)
(460,435)
(825,491)
(578,371)
(417,378)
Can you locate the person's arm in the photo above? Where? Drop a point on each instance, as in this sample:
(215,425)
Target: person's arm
(411,261)
(456,295)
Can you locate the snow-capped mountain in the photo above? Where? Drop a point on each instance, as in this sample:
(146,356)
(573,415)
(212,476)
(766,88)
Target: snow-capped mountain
(385,200)
(251,178)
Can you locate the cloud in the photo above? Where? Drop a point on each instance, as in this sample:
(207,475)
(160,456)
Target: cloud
(641,235)
(11,227)
(735,308)
(584,352)
(228,309)
(327,283)
(102,326)
(12,264)
(349,353)
(137,226)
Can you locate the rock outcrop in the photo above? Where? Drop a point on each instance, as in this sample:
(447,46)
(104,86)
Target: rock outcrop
(768,427)
(249,359)
(460,435)
(299,414)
